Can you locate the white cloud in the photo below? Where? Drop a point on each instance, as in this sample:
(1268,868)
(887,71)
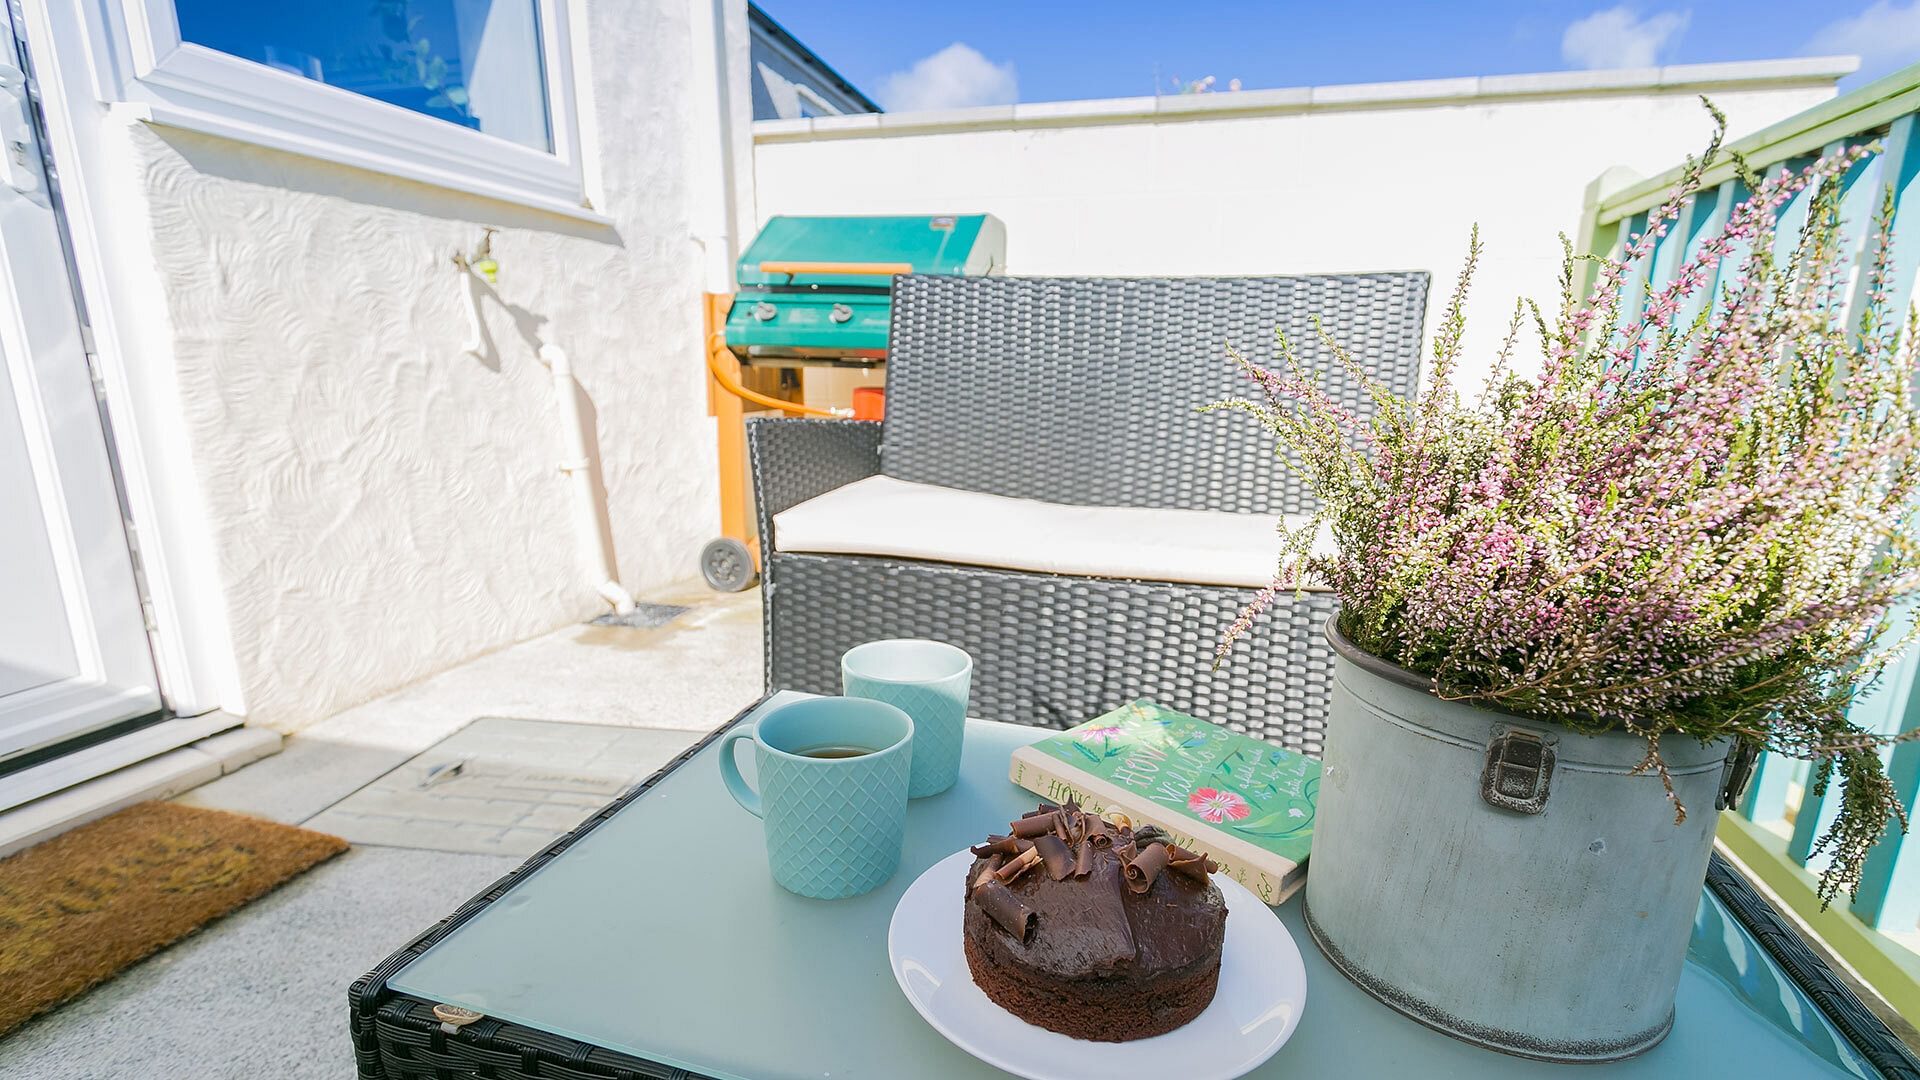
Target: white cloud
(1618,37)
(1885,36)
(956,77)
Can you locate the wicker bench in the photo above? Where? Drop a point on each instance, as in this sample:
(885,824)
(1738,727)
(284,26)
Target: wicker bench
(1083,392)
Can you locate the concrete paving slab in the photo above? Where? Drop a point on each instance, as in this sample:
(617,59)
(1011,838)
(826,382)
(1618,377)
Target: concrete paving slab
(689,675)
(501,786)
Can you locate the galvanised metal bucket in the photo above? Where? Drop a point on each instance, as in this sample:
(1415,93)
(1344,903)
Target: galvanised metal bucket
(1504,880)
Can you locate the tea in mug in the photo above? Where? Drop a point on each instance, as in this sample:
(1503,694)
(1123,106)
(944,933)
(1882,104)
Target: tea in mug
(835,752)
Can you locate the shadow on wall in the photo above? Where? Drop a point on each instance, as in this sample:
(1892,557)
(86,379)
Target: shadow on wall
(283,171)
(527,324)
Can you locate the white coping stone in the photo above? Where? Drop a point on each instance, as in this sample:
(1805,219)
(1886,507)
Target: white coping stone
(1387,92)
(994,115)
(799,125)
(1811,67)
(1358,95)
(1089,109)
(1291,97)
(850,122)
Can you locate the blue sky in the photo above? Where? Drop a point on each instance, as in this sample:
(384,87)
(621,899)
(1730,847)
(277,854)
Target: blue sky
(979,52)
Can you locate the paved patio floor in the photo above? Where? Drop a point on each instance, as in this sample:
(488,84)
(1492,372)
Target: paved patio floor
(261,995)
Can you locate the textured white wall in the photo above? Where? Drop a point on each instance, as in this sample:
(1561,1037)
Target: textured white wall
(1387,187)
(382,505)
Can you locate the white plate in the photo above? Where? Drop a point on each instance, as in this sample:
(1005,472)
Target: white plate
(1263,988)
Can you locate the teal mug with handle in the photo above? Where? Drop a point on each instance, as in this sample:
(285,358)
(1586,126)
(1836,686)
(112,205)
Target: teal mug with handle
(833,791)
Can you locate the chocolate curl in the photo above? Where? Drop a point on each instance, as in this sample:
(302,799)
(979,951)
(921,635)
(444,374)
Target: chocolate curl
(1060,829)
(1146,866)
(1083,865)
(1053,851)
(1192,865)
(1002,845)
(1099,833)
(1125,851)
(1020,864)
(1006,909)
(1037,813)
(1021,847)
(1029,827)
(995,862)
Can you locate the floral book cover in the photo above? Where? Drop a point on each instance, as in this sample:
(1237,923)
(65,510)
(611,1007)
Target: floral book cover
(1245,802)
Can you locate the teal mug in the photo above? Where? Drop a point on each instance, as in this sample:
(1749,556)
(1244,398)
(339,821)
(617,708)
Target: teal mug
(929,681)
(833,791)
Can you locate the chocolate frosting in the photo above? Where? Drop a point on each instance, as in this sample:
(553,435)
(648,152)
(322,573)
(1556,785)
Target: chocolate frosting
(1089,923)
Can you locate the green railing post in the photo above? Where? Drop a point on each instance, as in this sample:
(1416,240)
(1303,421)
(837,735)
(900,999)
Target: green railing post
(1613,208)
(1889,894)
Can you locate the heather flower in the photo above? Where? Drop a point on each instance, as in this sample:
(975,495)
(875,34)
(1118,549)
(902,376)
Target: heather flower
(1693,522)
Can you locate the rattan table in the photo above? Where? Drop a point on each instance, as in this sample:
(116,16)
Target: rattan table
(652,942)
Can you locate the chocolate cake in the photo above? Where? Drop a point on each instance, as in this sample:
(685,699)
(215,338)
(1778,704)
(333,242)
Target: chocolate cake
(1092,929)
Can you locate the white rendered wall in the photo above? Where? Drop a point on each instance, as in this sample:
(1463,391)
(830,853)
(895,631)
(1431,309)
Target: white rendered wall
(1387,177)
(380,505)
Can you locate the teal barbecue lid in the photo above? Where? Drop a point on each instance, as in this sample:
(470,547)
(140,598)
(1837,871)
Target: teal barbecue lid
(808,250)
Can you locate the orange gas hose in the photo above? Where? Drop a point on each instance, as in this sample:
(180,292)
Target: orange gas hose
(731,386)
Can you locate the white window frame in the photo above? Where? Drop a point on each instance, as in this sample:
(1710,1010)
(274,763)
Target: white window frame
(174,83)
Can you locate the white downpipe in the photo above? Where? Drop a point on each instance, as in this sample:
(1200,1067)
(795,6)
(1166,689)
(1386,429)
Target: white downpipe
(476,343)
(719,220)
(590,517)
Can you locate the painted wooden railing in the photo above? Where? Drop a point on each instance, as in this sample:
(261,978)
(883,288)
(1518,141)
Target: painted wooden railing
(1773,829)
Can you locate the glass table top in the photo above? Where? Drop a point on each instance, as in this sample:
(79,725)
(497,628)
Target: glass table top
(661,934)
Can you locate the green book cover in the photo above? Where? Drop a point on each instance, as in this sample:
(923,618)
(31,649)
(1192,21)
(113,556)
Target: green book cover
(1247,803)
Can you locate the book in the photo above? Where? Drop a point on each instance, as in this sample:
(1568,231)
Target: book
(1245,802)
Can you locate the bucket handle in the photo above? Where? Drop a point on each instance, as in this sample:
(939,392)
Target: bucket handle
(1519,772)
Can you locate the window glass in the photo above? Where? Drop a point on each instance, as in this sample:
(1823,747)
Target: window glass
(475,63)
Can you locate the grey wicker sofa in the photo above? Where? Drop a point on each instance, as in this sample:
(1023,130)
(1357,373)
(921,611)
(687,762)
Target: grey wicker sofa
(1077,391)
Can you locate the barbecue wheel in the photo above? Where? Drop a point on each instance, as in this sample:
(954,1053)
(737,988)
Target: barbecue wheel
(727,565)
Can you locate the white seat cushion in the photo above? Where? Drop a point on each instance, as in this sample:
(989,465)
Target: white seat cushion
(884,516)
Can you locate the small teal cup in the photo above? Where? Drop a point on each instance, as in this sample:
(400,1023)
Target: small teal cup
(929,681)
(834,825)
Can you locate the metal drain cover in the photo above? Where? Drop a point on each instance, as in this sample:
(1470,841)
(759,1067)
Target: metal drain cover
(643,616)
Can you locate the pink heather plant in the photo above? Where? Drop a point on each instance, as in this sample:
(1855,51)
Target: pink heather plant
(1692,523)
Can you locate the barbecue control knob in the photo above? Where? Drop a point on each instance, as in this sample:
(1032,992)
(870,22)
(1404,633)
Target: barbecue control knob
(840,313)
(764,312)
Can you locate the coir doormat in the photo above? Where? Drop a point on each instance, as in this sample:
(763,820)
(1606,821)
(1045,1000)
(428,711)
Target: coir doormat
(80,907)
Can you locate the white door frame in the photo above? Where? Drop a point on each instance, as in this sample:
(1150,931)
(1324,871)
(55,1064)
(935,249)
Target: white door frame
(91,144)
